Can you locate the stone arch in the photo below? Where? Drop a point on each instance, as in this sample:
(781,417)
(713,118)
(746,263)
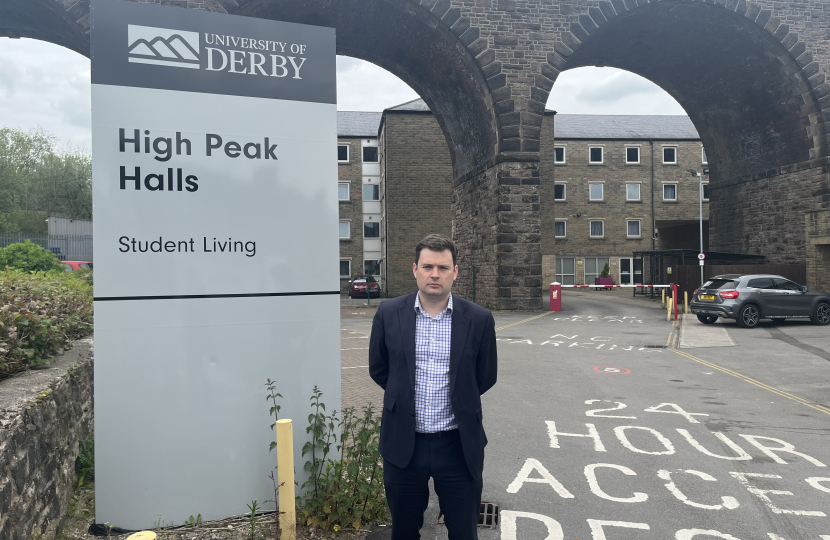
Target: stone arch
(749,85)
(429,45)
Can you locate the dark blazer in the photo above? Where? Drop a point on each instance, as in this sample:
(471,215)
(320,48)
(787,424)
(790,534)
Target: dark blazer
(472,372)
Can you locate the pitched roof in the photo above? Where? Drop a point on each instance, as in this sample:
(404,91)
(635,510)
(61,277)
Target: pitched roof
(603,126)
(417,105)
(358,123)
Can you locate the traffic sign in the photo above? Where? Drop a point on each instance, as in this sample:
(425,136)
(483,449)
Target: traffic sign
(701,256)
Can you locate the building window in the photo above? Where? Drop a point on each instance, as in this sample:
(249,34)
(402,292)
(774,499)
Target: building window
(633,228)
(370,154)
(595,192)
(371,267)
(669,192)
(597,228)
(632,154)
(705,192)
(670,155)
(632,192)
(345,268)
(704,159)
(371,192)
(594,267)
(595,154)
(559,154)
(371,229)
(561,229)
(342,153)
(559,192)
(565,270)
(344,230)
(343,192)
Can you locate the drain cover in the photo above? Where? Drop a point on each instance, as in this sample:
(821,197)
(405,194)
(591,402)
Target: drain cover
(655,346)
(488,516)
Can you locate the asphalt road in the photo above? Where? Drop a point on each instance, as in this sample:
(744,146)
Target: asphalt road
(598,430)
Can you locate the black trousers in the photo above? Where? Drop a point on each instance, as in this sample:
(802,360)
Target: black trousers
(407,489)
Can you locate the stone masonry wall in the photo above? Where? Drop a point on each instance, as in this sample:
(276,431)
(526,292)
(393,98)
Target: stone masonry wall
(764,214)
(417,190)
(44,415)
(817,225)
(352,210)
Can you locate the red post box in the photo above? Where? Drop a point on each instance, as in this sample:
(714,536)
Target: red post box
(555,296)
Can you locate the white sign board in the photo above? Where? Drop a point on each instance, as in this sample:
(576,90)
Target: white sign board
(216,253)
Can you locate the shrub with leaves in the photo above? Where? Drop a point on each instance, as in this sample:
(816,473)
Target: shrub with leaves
(345,484)
(40,312)
(29,257)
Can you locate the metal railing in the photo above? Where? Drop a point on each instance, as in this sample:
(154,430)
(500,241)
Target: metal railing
(65,247)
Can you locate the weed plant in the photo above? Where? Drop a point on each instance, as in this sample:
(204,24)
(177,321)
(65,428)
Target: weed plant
(345,483)
(40,312)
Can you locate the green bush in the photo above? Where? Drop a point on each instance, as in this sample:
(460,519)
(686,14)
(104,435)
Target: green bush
(606,271)
(40,312)
(346,491)
(29,257)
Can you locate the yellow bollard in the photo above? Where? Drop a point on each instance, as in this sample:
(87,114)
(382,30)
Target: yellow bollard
(668,308)
(285,480)
(685,301)
(662,297)
(142,535)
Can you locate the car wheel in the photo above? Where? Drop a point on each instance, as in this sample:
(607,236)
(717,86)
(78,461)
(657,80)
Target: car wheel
(707,319)
(821,315)
(749,316)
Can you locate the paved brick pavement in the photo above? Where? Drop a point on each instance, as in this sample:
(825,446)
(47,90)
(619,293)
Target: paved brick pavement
(357,388)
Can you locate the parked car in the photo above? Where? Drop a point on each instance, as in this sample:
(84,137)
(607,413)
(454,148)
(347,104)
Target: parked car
(363,285)
(750,298)
(76,265)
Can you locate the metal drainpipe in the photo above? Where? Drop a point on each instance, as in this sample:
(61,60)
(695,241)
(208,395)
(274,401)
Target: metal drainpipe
(653,238)
(385,225)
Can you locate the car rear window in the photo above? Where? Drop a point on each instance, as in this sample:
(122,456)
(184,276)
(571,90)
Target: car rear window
(719,284)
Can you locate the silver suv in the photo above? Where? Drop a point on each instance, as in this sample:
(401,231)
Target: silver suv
(750,298)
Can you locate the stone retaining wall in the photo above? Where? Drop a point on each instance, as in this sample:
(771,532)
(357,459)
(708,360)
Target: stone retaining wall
(44,415)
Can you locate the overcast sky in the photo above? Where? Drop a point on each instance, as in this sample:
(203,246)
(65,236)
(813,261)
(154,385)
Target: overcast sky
(44,85)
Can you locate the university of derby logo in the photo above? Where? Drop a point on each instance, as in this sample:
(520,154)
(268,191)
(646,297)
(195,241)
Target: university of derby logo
(163,47)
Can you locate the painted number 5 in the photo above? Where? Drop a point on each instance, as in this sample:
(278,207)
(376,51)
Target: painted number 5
(595,412)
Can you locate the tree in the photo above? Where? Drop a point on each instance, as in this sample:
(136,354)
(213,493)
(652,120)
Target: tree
(38,178)
(29,257)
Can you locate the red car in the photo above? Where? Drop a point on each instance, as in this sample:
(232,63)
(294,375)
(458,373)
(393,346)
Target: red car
(359,283)
(76,265)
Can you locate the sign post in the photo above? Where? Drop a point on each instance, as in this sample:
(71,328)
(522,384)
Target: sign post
(215,253)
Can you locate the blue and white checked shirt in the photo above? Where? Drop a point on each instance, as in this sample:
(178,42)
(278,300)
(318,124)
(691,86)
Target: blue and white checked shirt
(433,408)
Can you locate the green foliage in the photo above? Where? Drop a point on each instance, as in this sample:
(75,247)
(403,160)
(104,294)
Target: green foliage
(29,257)
(85,462)
(606,271)
(37,175)
(344,492)
(40,312)
(252,521)
(194,522)
(275,409)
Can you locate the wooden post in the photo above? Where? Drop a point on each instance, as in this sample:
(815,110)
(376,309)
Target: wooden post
(285,480)
(668,308)
(685,301)
(662,297)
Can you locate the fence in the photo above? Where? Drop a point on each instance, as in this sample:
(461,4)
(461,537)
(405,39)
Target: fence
(688,276)
(66,247)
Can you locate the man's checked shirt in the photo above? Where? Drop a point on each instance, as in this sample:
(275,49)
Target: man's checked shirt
(433,408)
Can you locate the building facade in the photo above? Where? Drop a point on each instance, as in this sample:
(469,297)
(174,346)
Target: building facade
(613,185)
(358,192)
(609,186)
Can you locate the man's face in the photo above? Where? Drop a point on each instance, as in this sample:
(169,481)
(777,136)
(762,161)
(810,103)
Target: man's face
(434,273)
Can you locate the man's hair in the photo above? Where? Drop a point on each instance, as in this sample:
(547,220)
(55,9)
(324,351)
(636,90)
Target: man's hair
(436,242)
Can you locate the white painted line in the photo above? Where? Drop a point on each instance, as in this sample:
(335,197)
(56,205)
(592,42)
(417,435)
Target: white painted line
(354,367)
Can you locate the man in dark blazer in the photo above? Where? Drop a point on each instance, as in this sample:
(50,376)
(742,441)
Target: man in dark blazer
(434,354)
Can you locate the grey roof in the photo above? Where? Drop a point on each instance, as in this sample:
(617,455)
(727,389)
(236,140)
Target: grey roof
(603,126)
(358,123)
(417,105)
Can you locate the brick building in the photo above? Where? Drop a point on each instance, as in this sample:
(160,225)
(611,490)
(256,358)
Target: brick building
(607,183)
(358,191)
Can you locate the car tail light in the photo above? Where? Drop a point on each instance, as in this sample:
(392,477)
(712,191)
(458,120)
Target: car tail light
(731,295)
(695,293)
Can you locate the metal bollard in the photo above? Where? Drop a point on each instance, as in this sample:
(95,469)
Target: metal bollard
(285,479)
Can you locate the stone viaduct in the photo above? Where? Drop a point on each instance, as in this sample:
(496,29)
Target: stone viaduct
(751,74)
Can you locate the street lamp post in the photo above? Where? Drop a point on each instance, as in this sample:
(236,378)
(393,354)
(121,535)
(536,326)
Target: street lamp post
(700,201)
